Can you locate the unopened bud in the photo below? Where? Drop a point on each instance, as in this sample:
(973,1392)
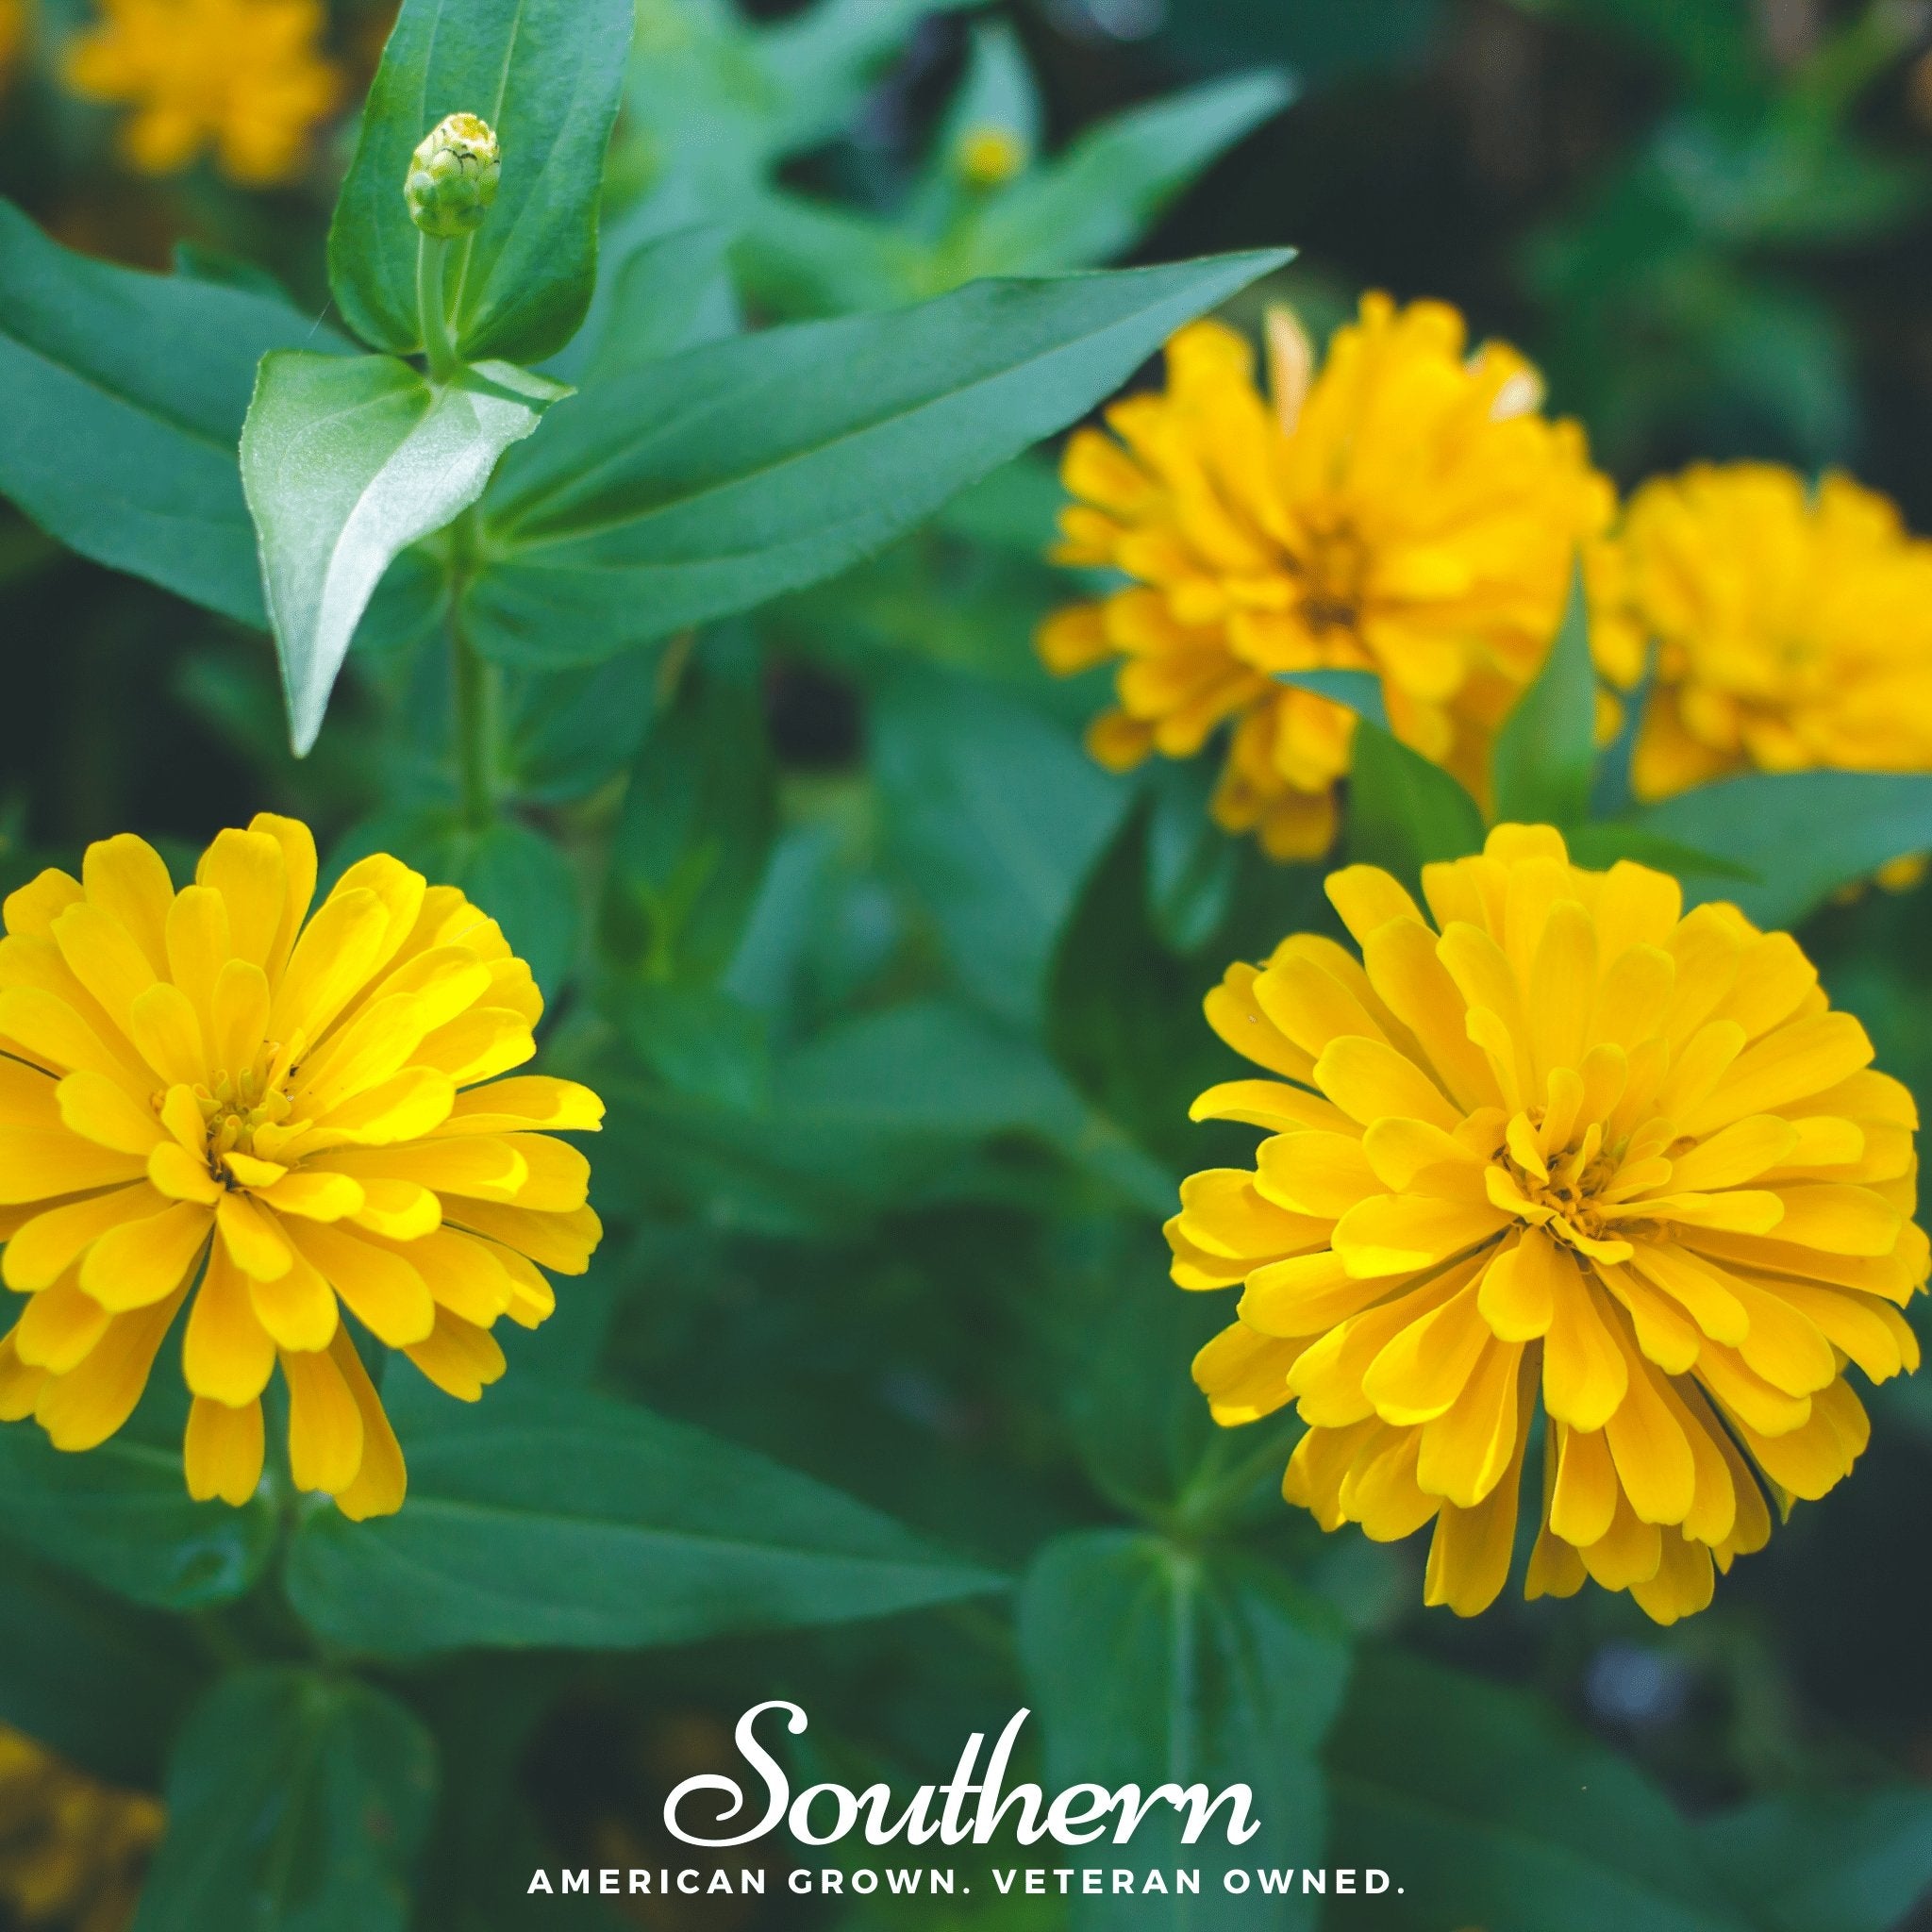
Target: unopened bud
(451,177)
(989,156)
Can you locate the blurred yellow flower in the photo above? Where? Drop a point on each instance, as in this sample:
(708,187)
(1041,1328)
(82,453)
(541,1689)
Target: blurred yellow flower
(1407,511)
(989,156)
(72,1853)
(245,78)
(13,25)
(209,1099)
(1793,629)
(1566,1139)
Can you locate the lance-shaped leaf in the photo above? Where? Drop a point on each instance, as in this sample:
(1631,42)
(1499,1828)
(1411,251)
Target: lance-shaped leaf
(125,398)
(1403,811)
(547,75)
(1094,201)
(572,1522)
(296,1802)
(344,464)
(1546,750)
(710,482)
(1798,835)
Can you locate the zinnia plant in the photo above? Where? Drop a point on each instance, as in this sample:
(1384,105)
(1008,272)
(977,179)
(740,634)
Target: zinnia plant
(1556,1147)
(214,1101)
(642,539)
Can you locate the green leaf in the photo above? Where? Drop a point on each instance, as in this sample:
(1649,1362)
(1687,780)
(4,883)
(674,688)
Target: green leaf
(1152,1664)
(699,1040)
(1360,692)
(993,817)
(224,270)
(103,1684)
(1192,862)
(122,1516)
(712,99)
(1546,750)
(1123,1013)
(1604,841)
(1830,1863)
(345,464)
(698,819)
(1095,202)
(659,291)
(872,1112)
(509,869)
(125,398)
(1489,1811)
(1802,834)
(547,75)
(710,482)
(1402,811)
(296,1802)
(574,1522)
(567,733)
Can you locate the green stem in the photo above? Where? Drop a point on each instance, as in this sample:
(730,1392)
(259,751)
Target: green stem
(474,693)
(431,313)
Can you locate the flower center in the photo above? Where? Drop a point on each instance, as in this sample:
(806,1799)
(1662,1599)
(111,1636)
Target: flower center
(237,1106)
(1331,569)
(1574,1193)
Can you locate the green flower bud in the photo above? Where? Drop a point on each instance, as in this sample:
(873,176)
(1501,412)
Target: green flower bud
(451,177)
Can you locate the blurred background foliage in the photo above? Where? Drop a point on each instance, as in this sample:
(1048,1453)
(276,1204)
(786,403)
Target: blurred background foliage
(896,996)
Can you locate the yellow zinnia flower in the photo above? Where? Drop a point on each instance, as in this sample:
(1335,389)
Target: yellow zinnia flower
(1406,512)
(242,77)
(1793,629)
(1570,1139)
(72,1853)
(210,1098)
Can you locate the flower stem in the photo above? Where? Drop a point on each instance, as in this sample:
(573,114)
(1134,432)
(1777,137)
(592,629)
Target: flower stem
(432,314)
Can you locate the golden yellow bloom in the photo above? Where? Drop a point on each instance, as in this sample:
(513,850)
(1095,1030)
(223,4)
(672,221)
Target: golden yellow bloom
(242,77)
(1406,512)
(209,1099)
(72,1853)
(1566,1139)
(1792,630)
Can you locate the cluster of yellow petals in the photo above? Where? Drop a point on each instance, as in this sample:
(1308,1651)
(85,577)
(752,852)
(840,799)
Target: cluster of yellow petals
(1405,510)
(211,1099)
(244,77)
(1793,628)
(1555,1139)
(73,1852)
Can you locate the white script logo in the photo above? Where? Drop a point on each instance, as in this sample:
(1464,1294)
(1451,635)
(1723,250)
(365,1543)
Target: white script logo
(1078,1816)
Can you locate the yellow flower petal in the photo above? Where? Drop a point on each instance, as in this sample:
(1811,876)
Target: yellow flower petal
(222,1452)
(325,1430)
(139,1262)
(381,1481)
(255,1240)
(384,1290)
(47,1246)
(83,1408)
(226,1355)
(461,1359)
